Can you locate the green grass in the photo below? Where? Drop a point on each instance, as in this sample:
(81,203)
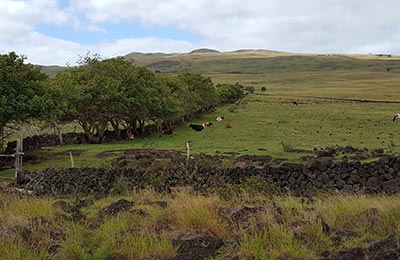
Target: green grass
(327,115)
(261,125)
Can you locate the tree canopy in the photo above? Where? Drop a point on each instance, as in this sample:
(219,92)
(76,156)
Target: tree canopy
(23,92)
(102,92)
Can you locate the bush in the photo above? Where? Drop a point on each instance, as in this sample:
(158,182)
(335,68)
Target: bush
(263,89)
(230,93)
(250,89)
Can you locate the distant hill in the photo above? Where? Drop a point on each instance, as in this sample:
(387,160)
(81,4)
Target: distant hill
(253,62)
(204,50)
(51,70)
(260,62)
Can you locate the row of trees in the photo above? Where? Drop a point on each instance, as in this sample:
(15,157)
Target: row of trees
(99,93)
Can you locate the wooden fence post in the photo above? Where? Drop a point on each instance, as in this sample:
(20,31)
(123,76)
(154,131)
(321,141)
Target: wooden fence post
(188,152)
(72,160)
(18,157)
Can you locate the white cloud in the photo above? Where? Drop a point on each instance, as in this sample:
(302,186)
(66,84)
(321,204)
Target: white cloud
(44,50)
(339,26)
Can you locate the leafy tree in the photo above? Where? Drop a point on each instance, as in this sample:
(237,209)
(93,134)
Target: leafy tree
(23,94)
(230,93)
(90,95)
(201,91)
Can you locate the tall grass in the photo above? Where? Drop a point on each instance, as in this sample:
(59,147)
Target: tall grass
(17,250)
(75,245)
(270,243)
(363,214)
(198,212)
(144,246)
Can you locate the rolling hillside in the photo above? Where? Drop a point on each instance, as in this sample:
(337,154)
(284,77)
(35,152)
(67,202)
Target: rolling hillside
(254,62)
(260,62)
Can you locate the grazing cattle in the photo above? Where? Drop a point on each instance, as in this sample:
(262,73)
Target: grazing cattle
(166,131)
(130,136)
(198,128)
(295,103)
(396,117)
(228,125)
(207,124)
(220,118)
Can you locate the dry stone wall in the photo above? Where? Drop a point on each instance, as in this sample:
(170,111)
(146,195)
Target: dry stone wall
(382,176)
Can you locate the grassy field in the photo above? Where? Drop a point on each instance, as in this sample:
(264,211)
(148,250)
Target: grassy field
(349,101)
(261,125)
(331,111)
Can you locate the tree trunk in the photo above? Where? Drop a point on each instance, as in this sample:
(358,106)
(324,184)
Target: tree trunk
(58,130)
(142,127)
(1,138)
(117,130)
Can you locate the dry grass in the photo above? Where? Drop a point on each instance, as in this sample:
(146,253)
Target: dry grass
(284,227)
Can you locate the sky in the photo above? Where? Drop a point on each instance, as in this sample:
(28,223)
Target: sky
(51,32)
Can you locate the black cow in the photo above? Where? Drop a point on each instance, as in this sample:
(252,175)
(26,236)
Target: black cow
(198,128)
(167,131)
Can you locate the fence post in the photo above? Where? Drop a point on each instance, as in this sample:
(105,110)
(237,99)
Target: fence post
(72,160)
(188,153)
(18,158)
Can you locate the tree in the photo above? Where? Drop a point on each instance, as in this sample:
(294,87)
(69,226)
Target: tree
(90,95)
(230,93)
(23,94)
(202,95)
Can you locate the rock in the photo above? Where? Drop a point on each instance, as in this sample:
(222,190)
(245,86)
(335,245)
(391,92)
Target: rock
(75,213)
(340,184)
(355,178)
(387,176)
(116,207)
(140,212)
(197,248)
(391,187)
(373,184)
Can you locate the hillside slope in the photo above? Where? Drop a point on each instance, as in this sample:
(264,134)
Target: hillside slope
(208,61)
(260,62)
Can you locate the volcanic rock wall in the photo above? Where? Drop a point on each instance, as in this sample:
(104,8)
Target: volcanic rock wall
(382,176)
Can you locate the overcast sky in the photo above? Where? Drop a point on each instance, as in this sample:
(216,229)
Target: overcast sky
(57,32)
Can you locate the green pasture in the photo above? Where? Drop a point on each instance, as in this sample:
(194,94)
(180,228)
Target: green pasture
(261,125)
(331,112)
(343,84)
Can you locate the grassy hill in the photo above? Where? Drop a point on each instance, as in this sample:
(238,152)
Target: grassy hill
(260,62)
(253,62)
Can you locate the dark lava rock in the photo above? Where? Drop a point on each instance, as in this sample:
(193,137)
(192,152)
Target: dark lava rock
(197,248)
(241,216)
(352,254)
(116,207)
(392,186)
(387,249)
(75,213)
(81,203)
(140,212)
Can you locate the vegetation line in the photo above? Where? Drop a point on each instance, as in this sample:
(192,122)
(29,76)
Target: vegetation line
(353,100)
